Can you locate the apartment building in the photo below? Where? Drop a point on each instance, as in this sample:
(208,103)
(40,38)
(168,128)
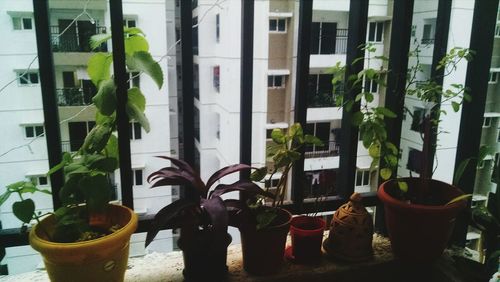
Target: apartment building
(71,26)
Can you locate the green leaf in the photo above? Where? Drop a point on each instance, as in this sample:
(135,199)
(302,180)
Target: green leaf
(4,197)
(386,112)
(385,173)
(374,150)
(455,106)
(105,99)
(135,113)
(403,186)
(357,118)
(367,138)
(28,188)
(392,148)
(460,170)
(24,210)
(97,192)
(97,39)
(278,136)
(133,31)
(97,138)
(265,218)
(135,44)
(258,174)
(14,187)
(369,97)
(311,139)
(459,198)
(105,165)
(98,67)
(142,61)
(111,149)
(136,97)
(295,130)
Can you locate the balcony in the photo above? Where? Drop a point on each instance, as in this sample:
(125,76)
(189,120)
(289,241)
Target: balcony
(341,41)
(323,100)
(75,40)
(329,149)
(72,96)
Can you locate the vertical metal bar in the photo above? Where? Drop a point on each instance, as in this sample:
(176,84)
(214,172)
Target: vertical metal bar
(440,48)
(358,20)
(469,136)
(49,99)
(300,109)
(187,86)
(121,77)
(246,80)
(396,80)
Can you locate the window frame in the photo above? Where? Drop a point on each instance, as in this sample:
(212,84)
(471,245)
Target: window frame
(273,86)
(135,127)
(33,127)
(22,23)
(135,171)
(365,177)
(277,20)
(377,25)
(493,77)
(29,83)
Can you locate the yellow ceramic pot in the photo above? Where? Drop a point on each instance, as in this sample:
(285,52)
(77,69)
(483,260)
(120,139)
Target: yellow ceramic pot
(103,259)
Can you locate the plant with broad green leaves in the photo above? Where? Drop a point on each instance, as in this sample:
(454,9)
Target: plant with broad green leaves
(284,151)
(370,118)
(87,171)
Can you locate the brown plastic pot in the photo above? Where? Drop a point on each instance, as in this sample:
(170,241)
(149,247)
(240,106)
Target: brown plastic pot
(420,233)
(263,250)
(205,257)
(307,235)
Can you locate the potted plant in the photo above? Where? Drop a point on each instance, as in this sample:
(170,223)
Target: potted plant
(264,227)
(419,212)
(87,238)
(307,235)
(203,220)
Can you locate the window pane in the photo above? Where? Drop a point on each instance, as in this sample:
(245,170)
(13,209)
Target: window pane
(371,31)
(38,130)
(359,178)
(42,180)
(137,131)
(272,25)
(328,36)
(27,23)
(138,176)
(281,25)
(278,81)
(380,31)
(30,131)
(16,23)
(315,30)
(270,81)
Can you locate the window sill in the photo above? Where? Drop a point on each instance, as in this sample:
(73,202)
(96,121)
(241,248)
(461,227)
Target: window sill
(383,267)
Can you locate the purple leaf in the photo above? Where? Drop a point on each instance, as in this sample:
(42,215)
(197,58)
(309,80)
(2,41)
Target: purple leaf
(175,176)
(238,211)
(217,212)
(186,167)
(226,171)
(244,186)
(165,216)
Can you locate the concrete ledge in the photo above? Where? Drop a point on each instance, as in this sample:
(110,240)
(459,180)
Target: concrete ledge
(383,267)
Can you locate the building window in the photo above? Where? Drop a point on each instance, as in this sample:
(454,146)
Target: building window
(275,81)
(371,86)
(271,184)
(217,28)
(414,160)
(269,133)
(277,25)
(493,78)
(362,177)
(41,180)
(196,81)
(413,30)
(129,23)
(418,119)
(495,175)
(429,31)
(22,23)
(216,72)
(33,131)
(486,122)
(497,30)
(375,32)
(324,38)
(135,131)
(134,79)
(27,78)
(138,177)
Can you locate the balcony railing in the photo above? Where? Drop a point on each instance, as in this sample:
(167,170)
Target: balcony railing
(75,40)
(427,41)
(71,145)
(329,149)
(72,96)
(341,41)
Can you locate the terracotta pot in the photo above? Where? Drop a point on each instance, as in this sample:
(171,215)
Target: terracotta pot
(103,259)
(307,235)
(263,250)
(204,256)
(420,233)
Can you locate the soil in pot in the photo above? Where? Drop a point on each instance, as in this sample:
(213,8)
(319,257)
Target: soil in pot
(263,250)
(102,259)
(420,233)
(205,256)
(307,234)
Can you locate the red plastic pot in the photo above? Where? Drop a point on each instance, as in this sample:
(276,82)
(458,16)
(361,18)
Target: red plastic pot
(420,233)
(307,235)
(263,250)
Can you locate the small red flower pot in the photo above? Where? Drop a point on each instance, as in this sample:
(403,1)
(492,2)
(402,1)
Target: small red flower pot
(307,235)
